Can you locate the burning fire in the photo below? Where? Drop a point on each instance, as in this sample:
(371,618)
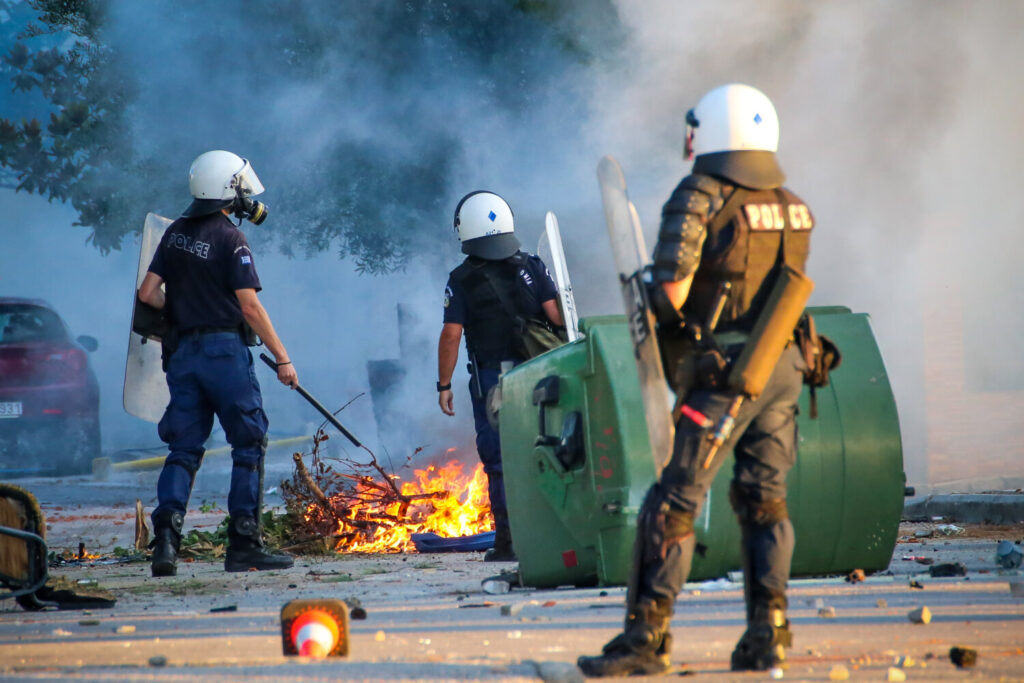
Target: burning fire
(443,500)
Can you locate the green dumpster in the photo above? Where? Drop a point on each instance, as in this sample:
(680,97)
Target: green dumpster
(577,463)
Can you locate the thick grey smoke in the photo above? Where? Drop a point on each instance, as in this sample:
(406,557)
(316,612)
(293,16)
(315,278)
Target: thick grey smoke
(898,127)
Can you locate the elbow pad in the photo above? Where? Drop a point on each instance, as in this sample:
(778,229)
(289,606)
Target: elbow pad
(684,221)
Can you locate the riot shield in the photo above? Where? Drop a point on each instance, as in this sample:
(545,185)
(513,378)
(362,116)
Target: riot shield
(551,251)
(145,385)
(627,241)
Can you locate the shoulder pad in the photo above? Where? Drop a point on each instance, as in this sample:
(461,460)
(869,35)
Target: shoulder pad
(702,183)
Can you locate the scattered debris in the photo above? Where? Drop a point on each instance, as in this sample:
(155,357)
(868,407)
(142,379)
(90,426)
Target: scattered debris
(1017,588)
(905,661)
(921,615)
(141,527)
(380,636)
(60,632)
(1008,555)
(963,657)
(819,602)
(882,602)
(856,576)
(839,672)
(511,609)
(895,675)
(88,622)
(916,585)
(735,577)
(924,560)
(357,613)
(225,608)
(495,586)
(548,603)
(478,604)
(776,673)
(827,612)
(948,569)
(923,533)
(514,635)
(949,529)
(558,672)
(124,628)
(158,660)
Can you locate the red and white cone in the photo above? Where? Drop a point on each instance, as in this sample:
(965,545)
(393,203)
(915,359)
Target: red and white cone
(314,633)
(315,628)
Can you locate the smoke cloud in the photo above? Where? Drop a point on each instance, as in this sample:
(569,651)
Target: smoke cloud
(898,128)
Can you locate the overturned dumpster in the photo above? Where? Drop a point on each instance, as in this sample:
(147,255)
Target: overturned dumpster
(577,463)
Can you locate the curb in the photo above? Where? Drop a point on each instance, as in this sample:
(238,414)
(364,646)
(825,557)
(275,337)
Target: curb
(972,508)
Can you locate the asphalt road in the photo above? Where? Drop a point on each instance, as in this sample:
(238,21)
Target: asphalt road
(427,617)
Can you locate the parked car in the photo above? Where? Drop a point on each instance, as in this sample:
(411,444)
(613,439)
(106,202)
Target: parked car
(49,397)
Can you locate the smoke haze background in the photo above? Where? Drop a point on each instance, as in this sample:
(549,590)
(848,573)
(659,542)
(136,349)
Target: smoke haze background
(899,128)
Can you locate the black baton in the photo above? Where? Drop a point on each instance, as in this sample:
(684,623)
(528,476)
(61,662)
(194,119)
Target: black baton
(316,404)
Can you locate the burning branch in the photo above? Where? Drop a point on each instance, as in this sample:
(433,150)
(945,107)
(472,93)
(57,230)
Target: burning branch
(368,508)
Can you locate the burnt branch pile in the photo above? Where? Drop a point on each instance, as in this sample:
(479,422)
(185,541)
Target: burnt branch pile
(351,501)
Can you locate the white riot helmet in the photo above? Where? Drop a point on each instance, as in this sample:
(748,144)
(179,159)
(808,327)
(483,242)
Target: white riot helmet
(218,180)
(732,118)
(484,224)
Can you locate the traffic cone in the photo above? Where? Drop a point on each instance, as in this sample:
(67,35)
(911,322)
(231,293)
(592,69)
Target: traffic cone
(315,628)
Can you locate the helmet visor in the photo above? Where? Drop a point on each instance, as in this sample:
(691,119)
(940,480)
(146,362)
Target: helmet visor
(246,181)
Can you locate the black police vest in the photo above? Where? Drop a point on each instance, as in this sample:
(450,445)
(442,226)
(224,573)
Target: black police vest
(766,229)
(490,326)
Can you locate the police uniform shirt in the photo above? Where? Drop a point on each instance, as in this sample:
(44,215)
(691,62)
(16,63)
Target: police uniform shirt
(534,274)
(203,261)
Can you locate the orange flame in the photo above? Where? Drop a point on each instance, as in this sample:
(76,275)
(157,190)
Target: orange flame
(445,501)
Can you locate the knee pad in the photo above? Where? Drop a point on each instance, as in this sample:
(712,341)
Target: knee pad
(755,512)
(660,525)
(186,461)
(250,457)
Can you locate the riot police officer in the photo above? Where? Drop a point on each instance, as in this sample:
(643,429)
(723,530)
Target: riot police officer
(490,295)
(730,221)
(211,305)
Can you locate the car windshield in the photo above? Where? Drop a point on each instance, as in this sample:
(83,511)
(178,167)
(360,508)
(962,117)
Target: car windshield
(27,323)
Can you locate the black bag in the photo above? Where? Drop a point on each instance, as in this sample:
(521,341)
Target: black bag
(534,337)
(821,356)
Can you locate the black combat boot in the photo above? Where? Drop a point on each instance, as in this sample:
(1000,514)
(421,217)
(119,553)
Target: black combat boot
(763,645)
(246,551)
(502,550)
(642,649)
(166,542)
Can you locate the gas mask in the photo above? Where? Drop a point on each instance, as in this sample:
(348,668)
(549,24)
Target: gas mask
(247,184)
(254,211)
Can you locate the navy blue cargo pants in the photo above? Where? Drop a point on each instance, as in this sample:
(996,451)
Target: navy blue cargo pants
(488,445)
(212,374)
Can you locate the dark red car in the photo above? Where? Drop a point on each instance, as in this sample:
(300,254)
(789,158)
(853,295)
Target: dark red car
(49,397)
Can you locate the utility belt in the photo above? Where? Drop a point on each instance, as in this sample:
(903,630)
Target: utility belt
(170,342)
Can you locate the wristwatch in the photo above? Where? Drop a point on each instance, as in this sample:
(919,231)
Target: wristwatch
(443,387)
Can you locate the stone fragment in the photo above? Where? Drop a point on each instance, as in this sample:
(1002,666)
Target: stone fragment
(963,657)
(895,675)
(882,602)
(511,609)
(921,615)
(839,672)
(827,612)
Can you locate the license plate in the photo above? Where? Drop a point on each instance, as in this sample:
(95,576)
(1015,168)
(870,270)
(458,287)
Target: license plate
(10,409)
